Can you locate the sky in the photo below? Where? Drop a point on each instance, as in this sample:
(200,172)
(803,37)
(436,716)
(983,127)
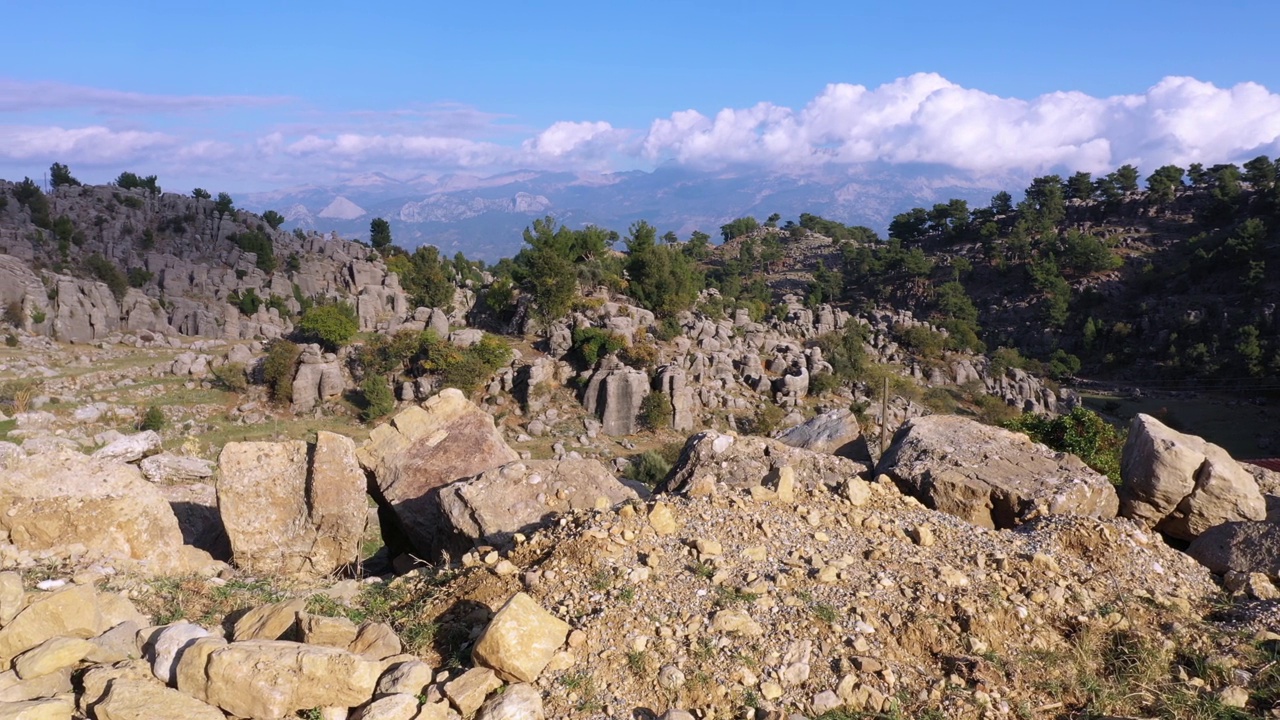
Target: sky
(258,95)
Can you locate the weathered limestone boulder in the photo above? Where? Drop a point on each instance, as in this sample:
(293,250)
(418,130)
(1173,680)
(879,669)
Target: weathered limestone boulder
(78,611)
(275,679)
(282,517)
(399,706)
(520,640)
(130,448)
(421,450)
(60,498)
(196,508)
(1243,547)
(52,655)
(128,699)
(517,702)
(834,432)
(315,383)
(990,476)
(276,621)
(1182,485)
(614,394)
(49,708)
(518,497)
(166,469)
(747,461)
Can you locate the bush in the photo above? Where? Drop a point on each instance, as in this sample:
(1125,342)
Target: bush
(247,302)
(591,344)
(332,325)
(378,398)
(1082,433)
(642,355)
(153,419)
(107,271)
(138,277)
(278,369)
(13,314)
(38,316)
(655,411)
(232,377)
(462,368)
(923,342)
(648,469)
(17,394)
(11,340)
(765,422)
(822,383)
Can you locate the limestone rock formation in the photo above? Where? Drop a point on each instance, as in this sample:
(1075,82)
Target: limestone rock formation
(287,513)
(276,678)
(423,449)
(836,432)
(746,461)
(57,499)
(990,476)
(1243,547)
(614,394)
(1182,485)
(518,497)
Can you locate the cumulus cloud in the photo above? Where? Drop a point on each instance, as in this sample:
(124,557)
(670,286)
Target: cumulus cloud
(18,96)
(927,119)
(923,118)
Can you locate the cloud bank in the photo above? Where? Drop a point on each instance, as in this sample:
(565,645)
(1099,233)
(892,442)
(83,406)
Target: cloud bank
(923,118)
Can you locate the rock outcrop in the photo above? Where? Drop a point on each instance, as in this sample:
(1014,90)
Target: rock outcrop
(1242,547)
(836,432)
(614,394)
(990,476)
(520,496)
(1182,485)
(421,450)
(62,498)
(746,461)
(290,511)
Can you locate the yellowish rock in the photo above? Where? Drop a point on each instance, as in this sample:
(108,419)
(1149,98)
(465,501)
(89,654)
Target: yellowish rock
(52,654)
(662,520)
(520,640)
(273,679)
(336,632)
(468,691)
(269,622)
(129,699)
(42,709)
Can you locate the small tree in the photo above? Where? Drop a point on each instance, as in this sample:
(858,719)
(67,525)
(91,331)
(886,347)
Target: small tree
(378,398)
(273,218)
(60,176)
(200,194)
(655,411)
(278,368)
(332,325)
(379,233)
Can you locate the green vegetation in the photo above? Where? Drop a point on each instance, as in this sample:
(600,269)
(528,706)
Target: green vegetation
(273,218)
(591,344)
(30,196)
(1082,433)
(412,355)
(153,419)
(661,277)
(378,398)
(648,468)
(258,243)
(278,368)
(379,233)
(130,181)
(424,275)
(332,325)
(232,377)
(109,273)
(60,176)
(655,411)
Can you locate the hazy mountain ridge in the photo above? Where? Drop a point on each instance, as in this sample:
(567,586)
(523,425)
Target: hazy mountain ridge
(484,216)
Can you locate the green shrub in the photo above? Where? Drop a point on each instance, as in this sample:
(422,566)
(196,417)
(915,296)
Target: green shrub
(462,368)
(138,277)
(332,325)
(1082,433)
(591,344)
(260,245)
(648,469)
(378,398)
(923,342)
(655,411)
(822,383)
(153,419)
(232,377)
(11,340)
(247,302)
(105,270)
(765,421)
(278,369)
(38,316)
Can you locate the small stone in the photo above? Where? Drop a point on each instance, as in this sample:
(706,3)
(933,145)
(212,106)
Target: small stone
(786,485)
(670,677)
(1234,696)
(407,677)
(708,547)
(336,632)
(736,622)
(269,622)
(770,690)
(825,702)
(376,641)
(520,640)
(468,691)
(662,520)
(516,702)
(169,646)
(922,535)
(389,707)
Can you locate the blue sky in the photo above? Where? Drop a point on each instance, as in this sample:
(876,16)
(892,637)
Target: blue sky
(253,95)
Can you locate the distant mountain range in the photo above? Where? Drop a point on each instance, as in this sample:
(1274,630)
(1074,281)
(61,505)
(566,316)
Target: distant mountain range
(484,216)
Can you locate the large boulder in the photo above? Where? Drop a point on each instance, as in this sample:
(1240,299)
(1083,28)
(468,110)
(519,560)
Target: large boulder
(1182,485)
(61,498)
(195,505)
(990,476)
(518,497)
(421,450)
(290,512)
(78,611)
(834,432)
(1245,547)
(747,461)
(130,448)
(276,678)
(614,394)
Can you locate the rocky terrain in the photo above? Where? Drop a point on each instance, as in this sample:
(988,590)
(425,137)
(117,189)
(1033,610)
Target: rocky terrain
(190,527)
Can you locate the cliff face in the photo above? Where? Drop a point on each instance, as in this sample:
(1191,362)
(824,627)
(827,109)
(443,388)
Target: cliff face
(185,263)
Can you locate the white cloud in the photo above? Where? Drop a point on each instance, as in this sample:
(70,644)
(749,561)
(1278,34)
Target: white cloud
(925,118)
(90,145)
